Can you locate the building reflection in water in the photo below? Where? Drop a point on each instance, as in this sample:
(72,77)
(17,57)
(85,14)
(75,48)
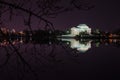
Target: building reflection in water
(79,38)
(43,51)
(79,45)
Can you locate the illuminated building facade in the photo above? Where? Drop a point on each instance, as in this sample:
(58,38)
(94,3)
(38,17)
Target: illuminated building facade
(80,29)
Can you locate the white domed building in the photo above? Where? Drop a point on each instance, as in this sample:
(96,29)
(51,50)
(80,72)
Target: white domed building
(80,29)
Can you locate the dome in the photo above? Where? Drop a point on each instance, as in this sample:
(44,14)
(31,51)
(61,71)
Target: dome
(83,26)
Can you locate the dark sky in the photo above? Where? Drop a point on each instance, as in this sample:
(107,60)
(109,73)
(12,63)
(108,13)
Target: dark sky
(105,16)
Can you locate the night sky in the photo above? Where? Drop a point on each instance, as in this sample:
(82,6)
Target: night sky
(105,16)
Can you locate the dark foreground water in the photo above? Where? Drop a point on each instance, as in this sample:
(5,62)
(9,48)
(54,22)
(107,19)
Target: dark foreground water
(59,62)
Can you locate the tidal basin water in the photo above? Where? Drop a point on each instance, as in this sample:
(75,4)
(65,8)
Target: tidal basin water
(69,59)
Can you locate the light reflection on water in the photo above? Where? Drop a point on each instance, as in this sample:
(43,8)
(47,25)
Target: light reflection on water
(60,58)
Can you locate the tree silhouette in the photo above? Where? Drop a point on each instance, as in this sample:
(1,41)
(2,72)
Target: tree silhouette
(42,10)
